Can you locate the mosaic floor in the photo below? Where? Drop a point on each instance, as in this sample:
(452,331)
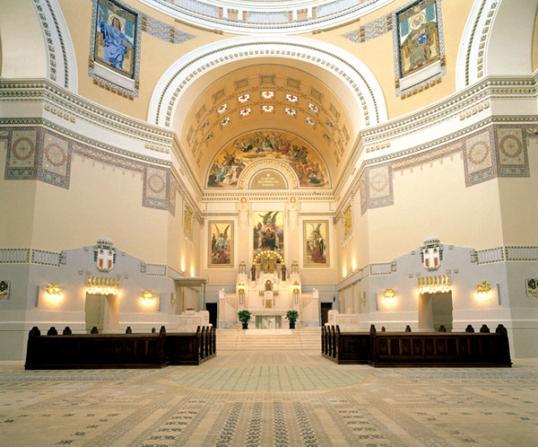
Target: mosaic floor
(270,398)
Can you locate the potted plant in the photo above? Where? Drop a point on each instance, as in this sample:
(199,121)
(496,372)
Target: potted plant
(244,316)
(292,316)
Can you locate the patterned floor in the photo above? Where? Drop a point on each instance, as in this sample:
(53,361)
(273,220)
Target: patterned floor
(270,399)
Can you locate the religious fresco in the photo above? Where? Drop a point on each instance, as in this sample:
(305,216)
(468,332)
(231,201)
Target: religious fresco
(418,36)
(115,37)
(316,242)
(221,242)
(268,232)
(348,223)
(305,162)
(187,221)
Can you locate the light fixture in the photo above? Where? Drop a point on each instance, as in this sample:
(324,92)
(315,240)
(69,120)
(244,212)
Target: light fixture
(290,111)
(309,121)
(243,98)
(245,112)
(483,290)
(389,294)
(434,284)
(225,121)
(268,109)
(53,292)
(268,94)
(222,109)
(103,286)
(292,98)
(148,297)
(313,108)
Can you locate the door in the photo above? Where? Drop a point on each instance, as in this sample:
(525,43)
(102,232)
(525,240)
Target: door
(434,311)
(212,309)
(325,308)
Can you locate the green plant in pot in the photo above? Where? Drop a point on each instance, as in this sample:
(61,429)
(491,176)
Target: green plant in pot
(292,316)
(244,316)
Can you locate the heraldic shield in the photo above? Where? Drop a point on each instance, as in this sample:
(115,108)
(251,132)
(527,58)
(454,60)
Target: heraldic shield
(104,255)
(432,254)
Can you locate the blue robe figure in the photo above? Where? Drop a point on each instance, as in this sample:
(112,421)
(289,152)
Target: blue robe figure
(116,43)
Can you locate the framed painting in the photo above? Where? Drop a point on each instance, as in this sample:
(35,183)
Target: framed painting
(348,223)
(221,243)
(268,232)
(316,243)
(187,221)
(115,46)
(419,44)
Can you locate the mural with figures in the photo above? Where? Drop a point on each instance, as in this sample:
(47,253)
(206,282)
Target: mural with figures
(233,159)
(316,243)
(268,232)
(418,36)
(115,37)
(221,243)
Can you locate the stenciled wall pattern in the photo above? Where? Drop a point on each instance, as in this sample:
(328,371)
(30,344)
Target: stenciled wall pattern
(37,153)
(494,151)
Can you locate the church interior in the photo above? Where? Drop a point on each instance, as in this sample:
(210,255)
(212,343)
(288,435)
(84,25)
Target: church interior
(286,185)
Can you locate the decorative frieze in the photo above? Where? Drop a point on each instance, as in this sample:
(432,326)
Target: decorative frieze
(14,255)
(371,30)
(44,257)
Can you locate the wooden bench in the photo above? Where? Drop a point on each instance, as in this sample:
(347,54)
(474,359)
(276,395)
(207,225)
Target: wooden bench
(91,351)
(382,349)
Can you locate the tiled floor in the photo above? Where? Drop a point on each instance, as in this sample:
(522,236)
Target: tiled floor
(270,398)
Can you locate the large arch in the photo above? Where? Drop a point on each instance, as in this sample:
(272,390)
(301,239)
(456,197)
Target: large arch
(363,88)
(496,40)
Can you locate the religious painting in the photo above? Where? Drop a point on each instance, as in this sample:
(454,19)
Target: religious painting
(187,221)
(116,37)
(316,243)
(234,158)
(532,287)
(221,242)
(348,223)
(268,232)
(418,36)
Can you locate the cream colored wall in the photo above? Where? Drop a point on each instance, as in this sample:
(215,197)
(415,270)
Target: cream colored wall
(157,55)
(23,49)
(378,54)
(102,201)
(17,198)
(535,44)
(518,203)
(431,200)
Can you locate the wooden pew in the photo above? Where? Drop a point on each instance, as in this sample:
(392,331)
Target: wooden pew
(90,351)
(129,350)
(419,348)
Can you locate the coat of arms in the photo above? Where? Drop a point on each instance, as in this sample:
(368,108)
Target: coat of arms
(431,255)
(532,287)
(4,289)
(104,255)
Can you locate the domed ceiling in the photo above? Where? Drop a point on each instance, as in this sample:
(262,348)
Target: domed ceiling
(295,100)
(267,16)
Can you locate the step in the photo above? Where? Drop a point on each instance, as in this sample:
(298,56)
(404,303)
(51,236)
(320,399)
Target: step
(268,339)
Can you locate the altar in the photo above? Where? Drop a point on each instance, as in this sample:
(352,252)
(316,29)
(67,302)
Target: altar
(268,290)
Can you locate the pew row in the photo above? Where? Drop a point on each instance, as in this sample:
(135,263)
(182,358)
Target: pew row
(96,351)
(382,349)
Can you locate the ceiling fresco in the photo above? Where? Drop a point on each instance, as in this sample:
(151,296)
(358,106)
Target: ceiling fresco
(262,97)
(307,165)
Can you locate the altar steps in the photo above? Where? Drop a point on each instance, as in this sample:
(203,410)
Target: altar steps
(305,339)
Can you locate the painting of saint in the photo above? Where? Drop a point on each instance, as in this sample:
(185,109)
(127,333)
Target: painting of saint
(348,223)
(268,232)
(316,243)
(418,36)
(220,243)
(187,221)
(230,162)
(115,36)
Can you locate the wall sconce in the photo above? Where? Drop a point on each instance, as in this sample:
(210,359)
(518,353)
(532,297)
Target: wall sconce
(53,292)
(483,290)
(389,294)
(148,298)
(103,285)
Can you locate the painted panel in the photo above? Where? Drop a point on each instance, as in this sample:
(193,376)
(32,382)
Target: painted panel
(316,243)
(221,243)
